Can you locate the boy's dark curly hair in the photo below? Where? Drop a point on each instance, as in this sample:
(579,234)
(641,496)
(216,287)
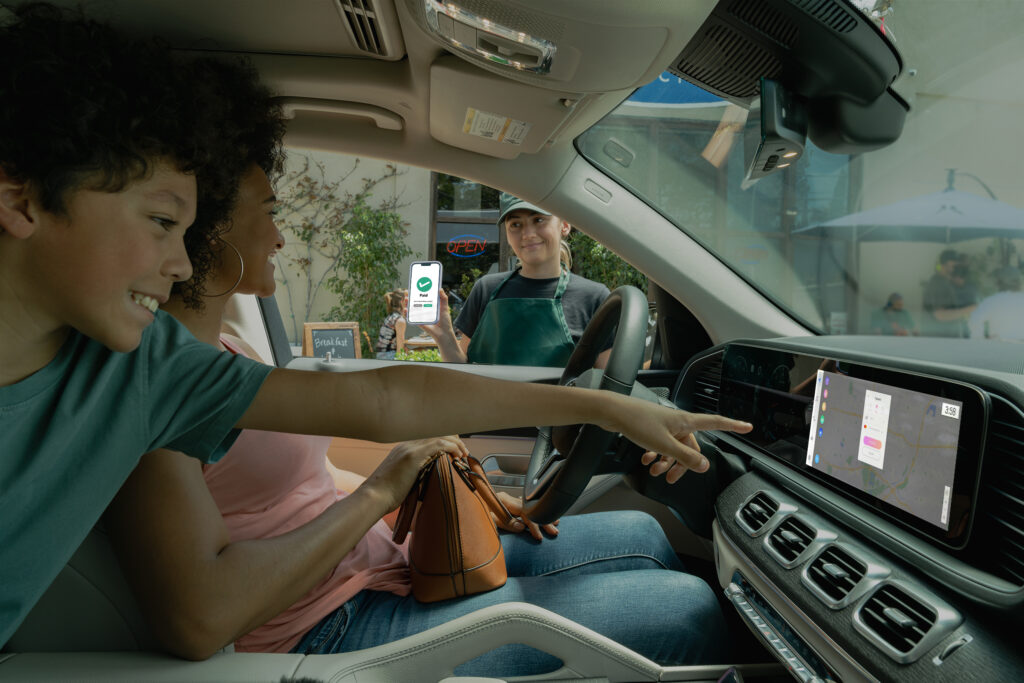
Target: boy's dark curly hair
(85,107)
(250,128)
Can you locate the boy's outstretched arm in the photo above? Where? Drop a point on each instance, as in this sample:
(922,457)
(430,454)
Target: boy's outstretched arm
(416,401)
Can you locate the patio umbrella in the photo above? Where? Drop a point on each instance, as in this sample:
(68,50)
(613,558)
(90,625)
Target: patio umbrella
(947,216)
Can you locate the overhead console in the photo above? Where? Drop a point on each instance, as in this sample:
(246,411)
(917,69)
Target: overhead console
(906,445)
(575,45)
(516,76)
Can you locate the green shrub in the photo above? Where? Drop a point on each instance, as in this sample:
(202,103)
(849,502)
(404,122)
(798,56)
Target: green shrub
(422,355)
(594,261)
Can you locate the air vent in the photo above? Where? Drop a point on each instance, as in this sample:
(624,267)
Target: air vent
(707,384)
(998,538)
(361,20)
(828,12)
(834,574)
(790,539)
(896,618)
(767,20)
(757,512)
(721,59)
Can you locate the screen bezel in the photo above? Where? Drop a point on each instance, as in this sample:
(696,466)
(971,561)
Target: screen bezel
(437,296)
(970,445)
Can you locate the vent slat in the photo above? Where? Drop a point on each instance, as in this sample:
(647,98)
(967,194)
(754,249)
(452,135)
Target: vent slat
(758,511)
(791,538)
(833,584)
(767,20)
(361,19)
(829,13)
(898,618)
(998,537)
(728,62)
(706,384)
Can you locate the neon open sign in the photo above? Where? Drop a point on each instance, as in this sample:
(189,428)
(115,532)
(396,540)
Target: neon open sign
(467,246)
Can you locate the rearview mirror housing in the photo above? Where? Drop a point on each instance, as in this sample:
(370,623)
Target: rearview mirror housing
(776,131)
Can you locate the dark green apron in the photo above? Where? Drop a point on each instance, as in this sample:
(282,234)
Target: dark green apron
(523,331)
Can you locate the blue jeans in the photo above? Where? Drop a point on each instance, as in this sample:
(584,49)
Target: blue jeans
(613,572)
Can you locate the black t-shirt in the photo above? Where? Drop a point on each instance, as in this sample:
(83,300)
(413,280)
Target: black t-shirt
(940,294)
(580,301)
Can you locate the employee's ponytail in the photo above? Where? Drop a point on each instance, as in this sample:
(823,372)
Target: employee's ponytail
(565,254)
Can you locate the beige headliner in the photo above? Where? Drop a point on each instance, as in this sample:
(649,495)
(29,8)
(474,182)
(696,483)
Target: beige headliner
(410,105)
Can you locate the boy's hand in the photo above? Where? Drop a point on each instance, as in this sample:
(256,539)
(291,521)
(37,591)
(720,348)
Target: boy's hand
(668,432)
(396,474)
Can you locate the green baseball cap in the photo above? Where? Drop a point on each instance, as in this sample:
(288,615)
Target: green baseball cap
(508,203)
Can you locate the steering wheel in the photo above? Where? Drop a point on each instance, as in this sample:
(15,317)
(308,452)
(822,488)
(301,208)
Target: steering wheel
(565,458)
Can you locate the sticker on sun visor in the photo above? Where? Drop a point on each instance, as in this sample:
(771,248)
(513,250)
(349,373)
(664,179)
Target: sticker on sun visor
(495,127)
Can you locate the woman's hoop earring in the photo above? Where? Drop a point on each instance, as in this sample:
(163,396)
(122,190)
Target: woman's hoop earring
(241,263)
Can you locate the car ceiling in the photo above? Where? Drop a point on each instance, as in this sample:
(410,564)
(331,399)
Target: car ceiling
(307,52)
(304,52)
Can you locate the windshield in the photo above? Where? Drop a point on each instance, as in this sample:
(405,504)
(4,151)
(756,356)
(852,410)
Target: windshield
(923,237)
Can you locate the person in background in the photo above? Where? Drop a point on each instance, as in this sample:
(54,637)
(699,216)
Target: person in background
(391,338)
(893,318)
(533,315)
(1001,316)
(944,316)
(965,293)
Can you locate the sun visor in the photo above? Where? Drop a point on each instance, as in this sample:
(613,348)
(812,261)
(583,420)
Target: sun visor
(482,112)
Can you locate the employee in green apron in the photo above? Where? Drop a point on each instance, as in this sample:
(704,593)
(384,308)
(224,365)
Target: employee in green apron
(533,315)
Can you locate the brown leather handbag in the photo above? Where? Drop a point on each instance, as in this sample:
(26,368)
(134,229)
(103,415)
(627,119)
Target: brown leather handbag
(455,549)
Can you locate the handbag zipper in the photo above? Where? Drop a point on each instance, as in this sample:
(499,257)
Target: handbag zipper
(454,556)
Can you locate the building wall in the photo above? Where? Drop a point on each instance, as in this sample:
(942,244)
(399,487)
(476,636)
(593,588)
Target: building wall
(412,189)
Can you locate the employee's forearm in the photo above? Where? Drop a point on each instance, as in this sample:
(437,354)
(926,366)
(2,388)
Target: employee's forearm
(447,342)
(450,351)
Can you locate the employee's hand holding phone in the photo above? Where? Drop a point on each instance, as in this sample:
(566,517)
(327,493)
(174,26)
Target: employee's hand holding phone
(443,332)
(444,323)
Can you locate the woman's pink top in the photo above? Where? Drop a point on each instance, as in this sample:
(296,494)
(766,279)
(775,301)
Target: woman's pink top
(269,483)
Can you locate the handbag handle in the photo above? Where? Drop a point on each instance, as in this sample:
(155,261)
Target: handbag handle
(483,487)
(471,471)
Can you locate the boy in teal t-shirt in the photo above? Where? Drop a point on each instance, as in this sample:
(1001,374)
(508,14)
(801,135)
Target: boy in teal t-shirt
(79,425)
(103,142)
(95,195)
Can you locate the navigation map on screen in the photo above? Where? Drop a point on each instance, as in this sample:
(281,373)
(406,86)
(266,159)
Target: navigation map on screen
(895,444)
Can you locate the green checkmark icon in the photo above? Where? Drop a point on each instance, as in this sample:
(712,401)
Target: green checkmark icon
(423,284)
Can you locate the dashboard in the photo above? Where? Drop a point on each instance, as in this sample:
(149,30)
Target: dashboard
(871,527)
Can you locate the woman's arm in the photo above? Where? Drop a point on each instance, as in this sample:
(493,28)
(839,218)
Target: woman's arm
(439,401)
(399,334)
(198,590)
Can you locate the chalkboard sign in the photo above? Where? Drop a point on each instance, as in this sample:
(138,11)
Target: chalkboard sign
(341,339)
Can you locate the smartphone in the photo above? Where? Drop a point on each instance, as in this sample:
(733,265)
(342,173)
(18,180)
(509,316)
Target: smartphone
(424,286)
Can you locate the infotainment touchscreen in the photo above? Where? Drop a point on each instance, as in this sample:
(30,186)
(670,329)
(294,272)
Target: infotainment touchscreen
(904,444)
(898,445)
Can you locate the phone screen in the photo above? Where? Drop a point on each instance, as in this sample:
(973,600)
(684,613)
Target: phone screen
(424,283)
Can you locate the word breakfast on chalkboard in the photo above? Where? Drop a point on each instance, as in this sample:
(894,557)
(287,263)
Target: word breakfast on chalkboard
(341,340)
